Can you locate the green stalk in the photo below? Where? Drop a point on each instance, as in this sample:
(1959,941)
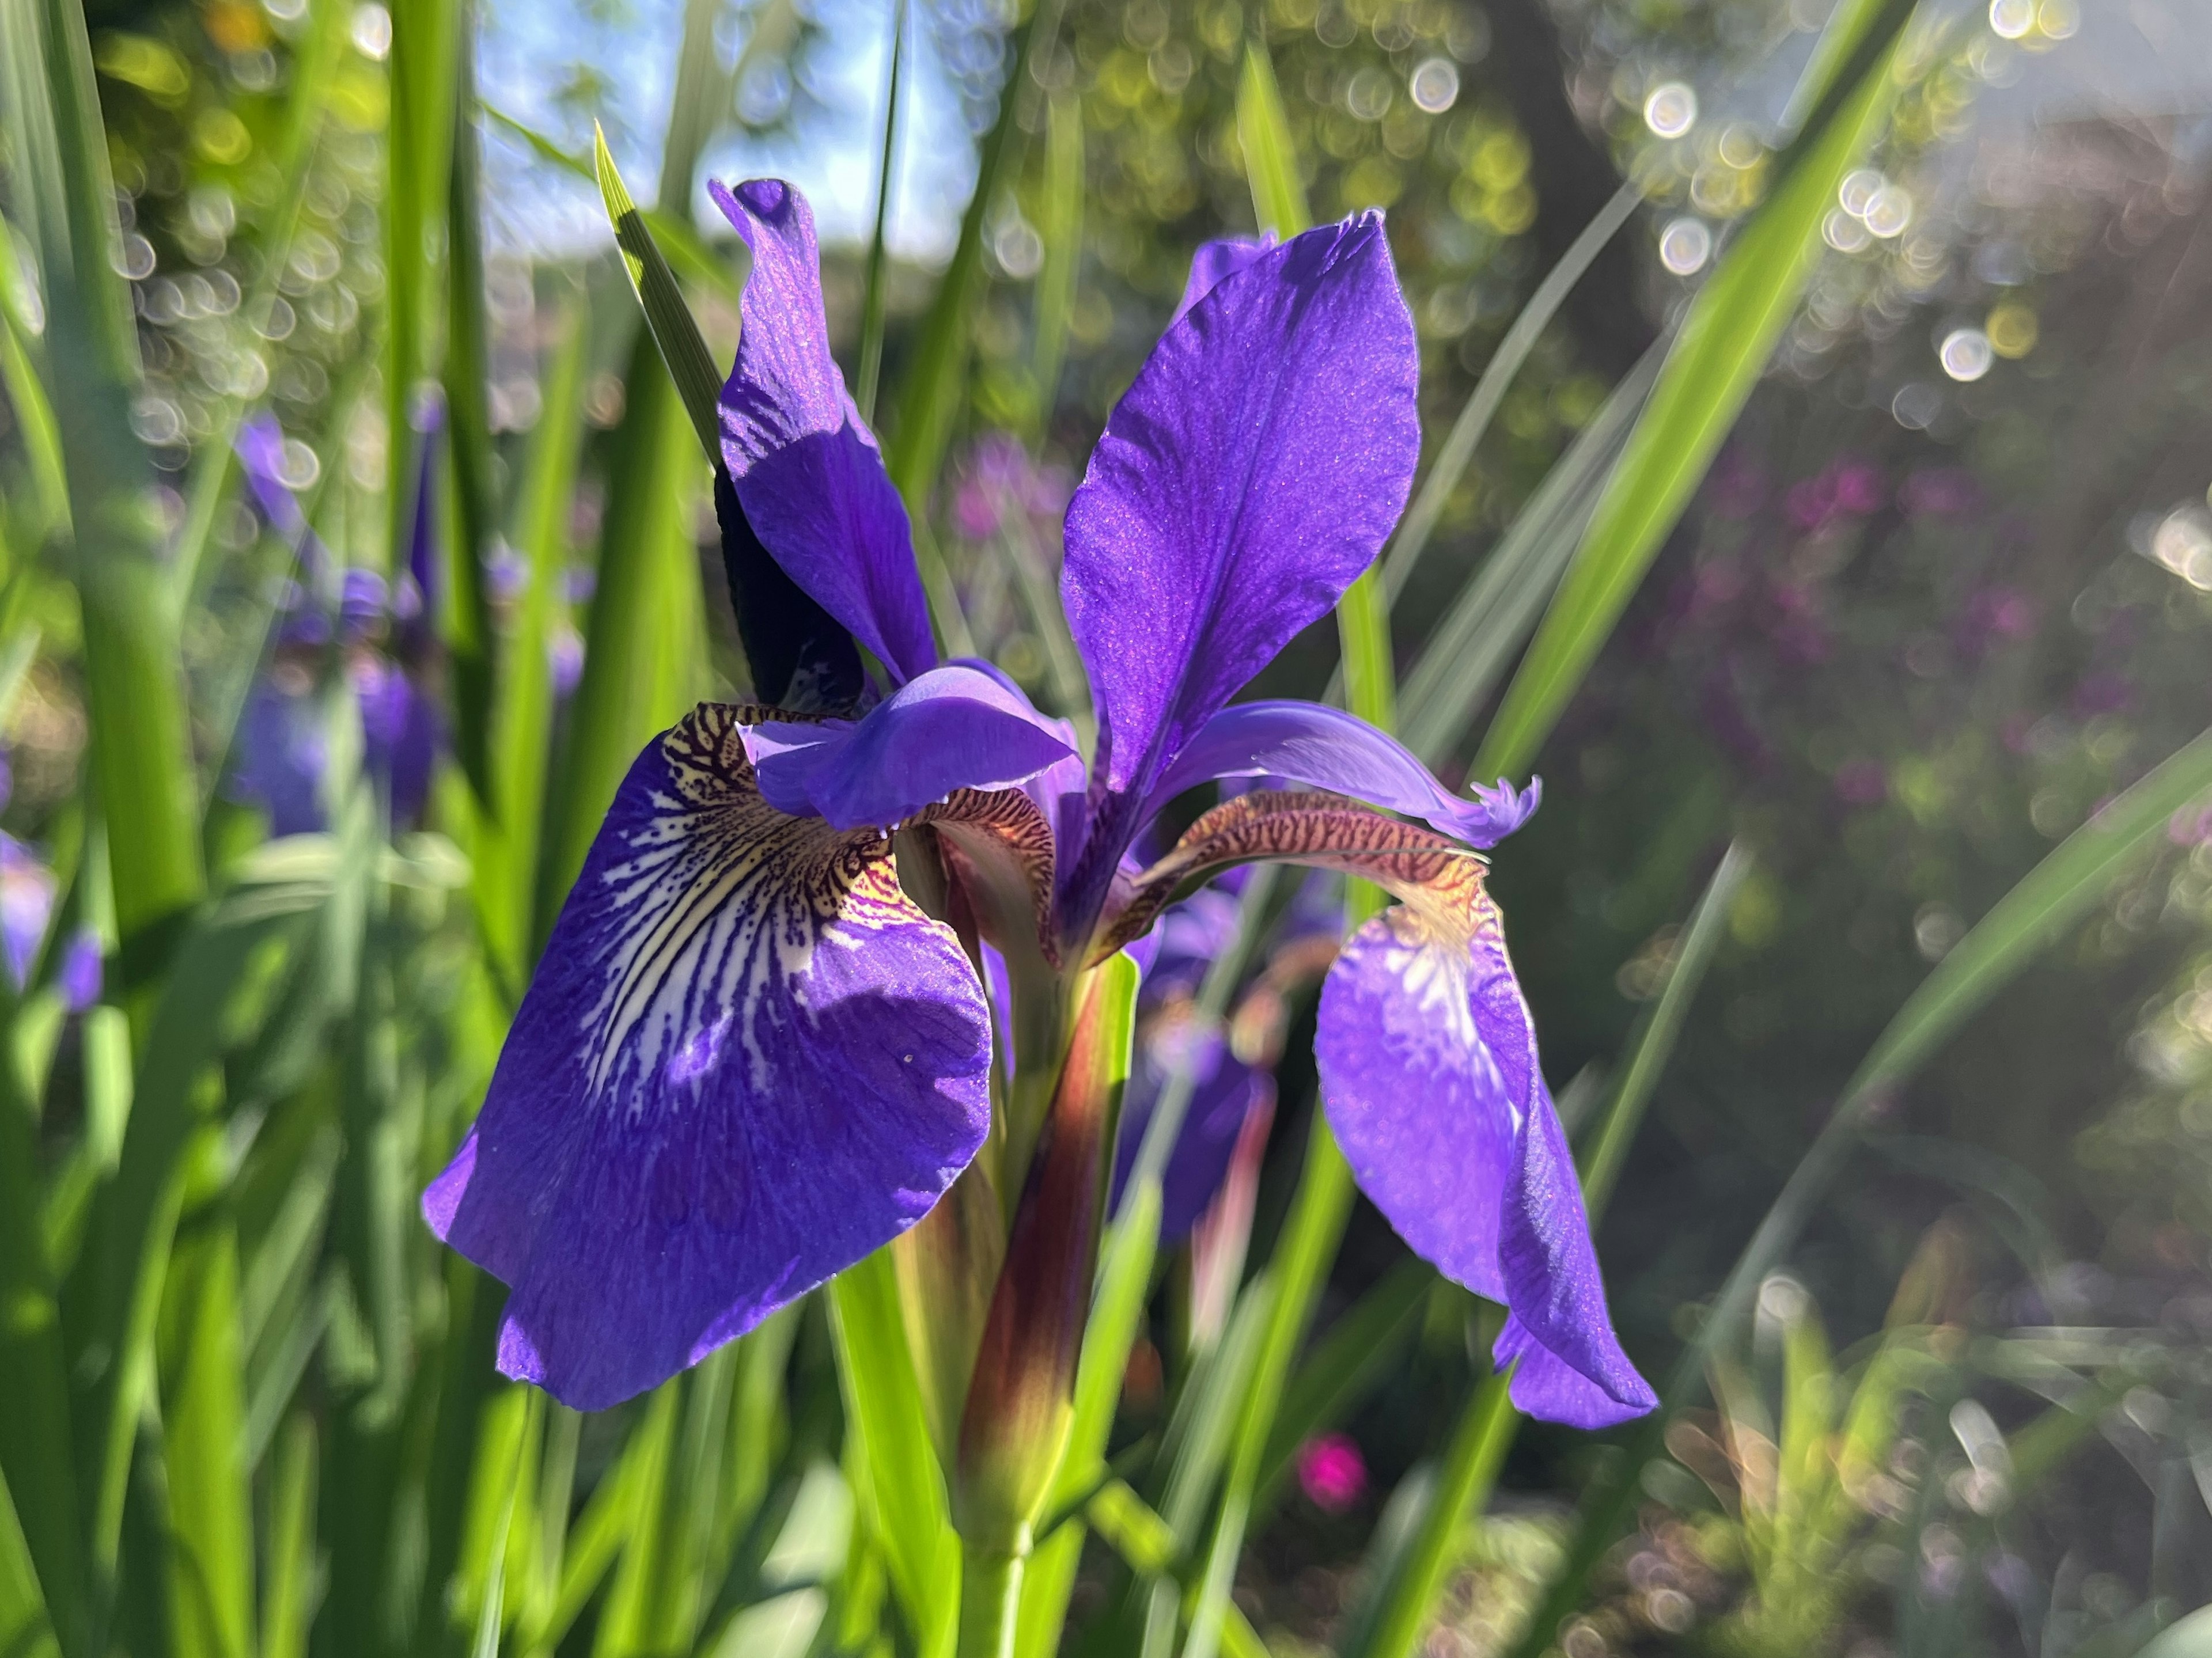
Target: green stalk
(990,1598)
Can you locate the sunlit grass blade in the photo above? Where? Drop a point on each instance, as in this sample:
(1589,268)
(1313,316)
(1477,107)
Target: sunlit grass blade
(204,1448)
(25,1629)
(1505,362)
(465,609)
(1468,651)
(1722,351)
(2047,902)
(21,324)
(873,299)
(901,1487)
(623,1628)
(522,717)
(1060,226)
(682,349)
(138,758)
(687,251)
(1358,1351)
(1271,161)
(1146,1544)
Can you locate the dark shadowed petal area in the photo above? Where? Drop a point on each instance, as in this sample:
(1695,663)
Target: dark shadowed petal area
(747,1061)
(1216,260)
(952,728)
(1429,1072)
(1249,474)
(808,475)
(1326,748)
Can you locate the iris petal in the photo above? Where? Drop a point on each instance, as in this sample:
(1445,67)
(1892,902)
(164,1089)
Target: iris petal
(1429,1073)
(1216,260)
(1326,748)
(952,728)
(808,474)
(747,1061)
(1251,472)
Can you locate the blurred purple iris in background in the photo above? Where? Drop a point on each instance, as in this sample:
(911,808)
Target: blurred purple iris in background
(749,1058)
(382,642)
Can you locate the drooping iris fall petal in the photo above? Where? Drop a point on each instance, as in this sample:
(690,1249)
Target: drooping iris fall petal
(747,1059)
(1252,471)
(808,473)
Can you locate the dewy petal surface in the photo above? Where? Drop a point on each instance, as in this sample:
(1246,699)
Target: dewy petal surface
(1253,470)
(747,1061)
(1429,1072)
(1329,748)
(952,728)
(807,472)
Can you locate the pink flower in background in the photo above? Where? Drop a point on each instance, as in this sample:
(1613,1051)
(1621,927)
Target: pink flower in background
(1843,488)
(1332,1472)
(1737,488)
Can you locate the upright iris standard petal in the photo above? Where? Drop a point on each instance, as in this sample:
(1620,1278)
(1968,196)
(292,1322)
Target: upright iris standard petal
(746,1061)
(1253,470)
(1326,748)
(952,728)
(1214,260)
(1429,1073)
(808,474)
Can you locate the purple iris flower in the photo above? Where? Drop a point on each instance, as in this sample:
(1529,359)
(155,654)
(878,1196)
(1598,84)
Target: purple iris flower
(26,904)
(749,1057)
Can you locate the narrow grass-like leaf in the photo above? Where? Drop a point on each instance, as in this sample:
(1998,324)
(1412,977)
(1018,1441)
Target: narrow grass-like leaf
(1452,459)
(466,607)
(625,1625)
(1468,651)
(202,1394)
(2047,902)
(26,1631)
(35,1427)
(1271,161)
(900,1489)
(1361,1345)
(873,299)
(1722,348)
(688,252)
(1060,226)
(522,717)
(683,348)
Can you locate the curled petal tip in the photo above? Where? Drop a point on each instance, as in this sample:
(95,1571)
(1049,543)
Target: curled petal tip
(1496,812)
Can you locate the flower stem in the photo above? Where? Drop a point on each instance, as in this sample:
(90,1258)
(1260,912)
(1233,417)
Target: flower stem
(990,1595)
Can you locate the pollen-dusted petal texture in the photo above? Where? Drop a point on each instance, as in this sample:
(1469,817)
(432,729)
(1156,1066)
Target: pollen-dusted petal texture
(1428,1074)
(1253,470)
(747,1061)
(808,474)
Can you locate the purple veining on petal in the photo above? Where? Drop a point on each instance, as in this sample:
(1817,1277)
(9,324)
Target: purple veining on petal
(1319,747)
(1429,1076)
(807,472)
(1216,260)
(1253,470)
(746,1061)
(952,728)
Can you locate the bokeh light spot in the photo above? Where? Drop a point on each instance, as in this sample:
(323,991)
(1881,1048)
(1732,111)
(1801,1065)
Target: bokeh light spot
(1685,245)
(1671,110)
(2011,19)
(2012,328)
(1965,354)
(1434,85)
